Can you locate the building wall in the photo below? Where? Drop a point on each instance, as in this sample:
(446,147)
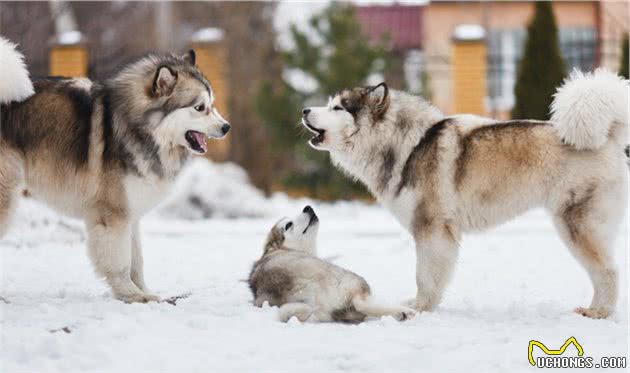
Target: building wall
(615,21)
(441,18)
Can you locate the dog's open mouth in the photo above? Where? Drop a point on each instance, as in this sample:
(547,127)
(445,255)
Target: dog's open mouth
(198,141)
(320,134)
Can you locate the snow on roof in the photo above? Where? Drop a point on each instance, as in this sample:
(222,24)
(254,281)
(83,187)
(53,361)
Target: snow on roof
(208,35)
(69,37)
(469,32)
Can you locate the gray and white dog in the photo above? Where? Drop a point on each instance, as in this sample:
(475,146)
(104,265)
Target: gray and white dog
(290,275)
(443,176)
(104,153)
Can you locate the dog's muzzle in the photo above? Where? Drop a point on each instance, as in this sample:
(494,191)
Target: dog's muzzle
(225,128)
(320,134)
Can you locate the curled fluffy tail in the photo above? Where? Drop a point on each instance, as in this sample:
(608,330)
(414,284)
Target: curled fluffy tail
(590,108)
(15,85)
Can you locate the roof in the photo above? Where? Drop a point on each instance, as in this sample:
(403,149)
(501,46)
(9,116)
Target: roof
(402,24)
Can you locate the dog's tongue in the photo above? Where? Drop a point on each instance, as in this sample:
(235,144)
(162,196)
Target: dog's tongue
(202,140)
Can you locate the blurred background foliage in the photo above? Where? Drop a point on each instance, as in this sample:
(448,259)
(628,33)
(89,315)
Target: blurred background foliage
(625,63)
(334,56)
(272,72)
(541,59)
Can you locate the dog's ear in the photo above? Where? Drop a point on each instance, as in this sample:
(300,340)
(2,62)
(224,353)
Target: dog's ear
(379,100)
(190,57)
(275,239)
(164,81)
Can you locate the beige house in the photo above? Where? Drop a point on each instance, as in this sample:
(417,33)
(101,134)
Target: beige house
(590,35)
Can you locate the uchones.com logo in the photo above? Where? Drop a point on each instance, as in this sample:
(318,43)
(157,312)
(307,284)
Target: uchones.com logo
(558,358)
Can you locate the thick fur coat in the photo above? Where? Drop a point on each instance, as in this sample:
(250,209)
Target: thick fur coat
(444,176)
(105,153)
(291,276)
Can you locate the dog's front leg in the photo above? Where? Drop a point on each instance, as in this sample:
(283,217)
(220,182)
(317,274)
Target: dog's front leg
(109,248)
(137,261)
(436,256)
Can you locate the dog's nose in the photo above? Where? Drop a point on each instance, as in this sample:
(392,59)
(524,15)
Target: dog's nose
(308,210)
(306,111)
(225,128)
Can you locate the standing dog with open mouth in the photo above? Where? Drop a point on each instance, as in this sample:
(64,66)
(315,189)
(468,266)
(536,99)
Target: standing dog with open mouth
(104,153)
(290,275)
(443,176)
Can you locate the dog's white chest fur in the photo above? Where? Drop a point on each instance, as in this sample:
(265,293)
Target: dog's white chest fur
(402,207)
(144,194)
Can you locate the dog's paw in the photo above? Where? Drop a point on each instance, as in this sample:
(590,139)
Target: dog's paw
(593,313)
(409,303)
(425,304)
(419,305)
(138,298)
(405,314)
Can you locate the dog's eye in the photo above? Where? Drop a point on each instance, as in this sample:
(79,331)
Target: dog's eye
(200,108)
(337,108)
(288,226)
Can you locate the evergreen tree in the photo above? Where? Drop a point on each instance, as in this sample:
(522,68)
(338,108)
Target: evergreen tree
(337,56)
(541,69)
(623,69)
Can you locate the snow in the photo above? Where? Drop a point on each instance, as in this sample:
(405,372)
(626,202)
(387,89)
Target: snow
(512,284)
(300,81)
(469,32)
(208,35)
(210,190)
(70,37)
(296,13)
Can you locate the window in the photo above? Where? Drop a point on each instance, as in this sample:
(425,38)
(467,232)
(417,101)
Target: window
(505,48)
(578,45)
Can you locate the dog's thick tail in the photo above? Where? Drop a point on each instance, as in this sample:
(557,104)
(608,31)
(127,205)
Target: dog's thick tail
(590,109)
(15,84)
(369,307)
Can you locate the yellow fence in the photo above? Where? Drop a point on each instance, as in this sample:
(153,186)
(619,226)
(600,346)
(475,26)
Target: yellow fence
(468,66)
(70,61)
(212,61)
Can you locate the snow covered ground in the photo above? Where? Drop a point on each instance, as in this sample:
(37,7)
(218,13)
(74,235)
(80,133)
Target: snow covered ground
(511,285)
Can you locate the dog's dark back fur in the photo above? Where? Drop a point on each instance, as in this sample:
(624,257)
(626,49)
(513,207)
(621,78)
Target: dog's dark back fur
(62,115)
(58,115)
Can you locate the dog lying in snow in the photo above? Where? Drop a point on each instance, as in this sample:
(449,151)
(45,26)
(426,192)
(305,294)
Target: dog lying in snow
(290,275)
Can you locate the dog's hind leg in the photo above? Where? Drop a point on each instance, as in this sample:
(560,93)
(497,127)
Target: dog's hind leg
(11,177)
(587,223)
(137,262)
(109,247)
(300,310)
(369,307)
